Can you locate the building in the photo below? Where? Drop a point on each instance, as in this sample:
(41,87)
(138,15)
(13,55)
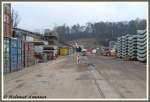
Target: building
(7,19)
(27,35)
(52,38)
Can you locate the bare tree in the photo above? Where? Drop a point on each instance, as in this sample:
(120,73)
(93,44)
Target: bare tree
(14,18)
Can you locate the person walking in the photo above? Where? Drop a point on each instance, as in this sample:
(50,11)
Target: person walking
(78,59)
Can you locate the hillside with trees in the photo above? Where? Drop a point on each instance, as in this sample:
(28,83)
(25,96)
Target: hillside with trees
(102,31)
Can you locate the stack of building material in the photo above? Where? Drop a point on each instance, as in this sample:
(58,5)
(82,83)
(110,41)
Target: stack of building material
(124,41)
(141,45)
(132,47)
(6,55)
(125,46)
(119,47)
(135,47)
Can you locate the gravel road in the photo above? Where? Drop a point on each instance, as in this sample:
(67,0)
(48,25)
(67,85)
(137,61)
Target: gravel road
(95,77)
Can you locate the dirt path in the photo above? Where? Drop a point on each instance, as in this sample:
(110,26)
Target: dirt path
(126,79)
(94,77)
(57,79)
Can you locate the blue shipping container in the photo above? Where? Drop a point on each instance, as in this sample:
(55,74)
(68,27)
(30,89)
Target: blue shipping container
(13,42)
(19,43)
(13,57)
(19,51)
(13,51)
(13,62)
(13,66)
(19,59)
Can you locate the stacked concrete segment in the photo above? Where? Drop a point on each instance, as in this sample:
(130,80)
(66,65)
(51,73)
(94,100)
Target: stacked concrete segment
(119,47)
(132,47)
(125,45)
(141,45)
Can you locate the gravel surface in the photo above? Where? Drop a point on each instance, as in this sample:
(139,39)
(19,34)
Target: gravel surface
(95,77)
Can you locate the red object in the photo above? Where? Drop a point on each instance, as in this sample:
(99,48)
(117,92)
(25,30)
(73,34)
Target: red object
(29,54)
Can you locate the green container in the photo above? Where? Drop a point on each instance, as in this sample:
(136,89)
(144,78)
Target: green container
(6,46)
(6,65)
(6,57)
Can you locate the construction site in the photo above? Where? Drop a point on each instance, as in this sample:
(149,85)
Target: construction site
(43,66)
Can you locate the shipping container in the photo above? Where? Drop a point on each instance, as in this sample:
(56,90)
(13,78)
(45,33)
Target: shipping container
(6,64)
(13,50)
(6,44)
(6,56)
(13,63)
(19,45)
(19,60)
(13,42)
(26,44)
(13,54)
(28,54)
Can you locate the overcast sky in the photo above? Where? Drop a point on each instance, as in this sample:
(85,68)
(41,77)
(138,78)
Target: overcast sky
(40,16)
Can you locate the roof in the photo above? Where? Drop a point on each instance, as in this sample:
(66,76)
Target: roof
(38,42)
(29,33)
